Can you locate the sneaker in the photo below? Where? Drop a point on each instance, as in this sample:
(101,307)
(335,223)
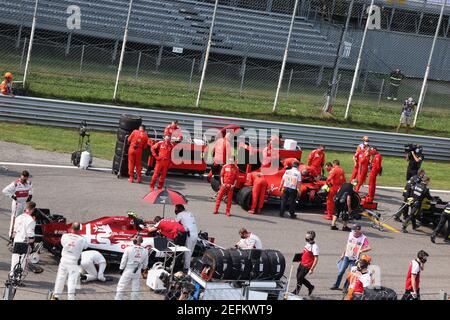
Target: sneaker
(138,181)
(334,228)
(310,290)
(130,180)
(101,278)
(334,288)
(395,99)
(404,230)
(346,229)
(228,214)
(83,277)
(251,211)
(328,217)
(433,238)
(216,212)
(389,98)
(398,219)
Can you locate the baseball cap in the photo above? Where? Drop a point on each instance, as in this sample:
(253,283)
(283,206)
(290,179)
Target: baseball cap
(356,227)
(295,164)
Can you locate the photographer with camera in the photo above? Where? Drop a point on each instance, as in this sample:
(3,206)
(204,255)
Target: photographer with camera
(414,156)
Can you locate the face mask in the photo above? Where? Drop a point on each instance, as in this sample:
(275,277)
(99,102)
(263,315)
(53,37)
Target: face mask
(366,143)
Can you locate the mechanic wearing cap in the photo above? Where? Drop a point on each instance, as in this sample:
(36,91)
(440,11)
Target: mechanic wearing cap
(334,181)
(162,152)
(419,192)
(21,192)
(343,205)
(308,262)
(187,219)
(407,112)
(23,233)
(259,189)
(363,169)
(407,192)
(138,141)
(72,245)
(92,266)
(290,187)
(360,148)
(357,243)
(6,85)
(173,131)
(316,160)
(445,217)
(134,259)
(249,240)
(412,286)
(228,179)
(376,169)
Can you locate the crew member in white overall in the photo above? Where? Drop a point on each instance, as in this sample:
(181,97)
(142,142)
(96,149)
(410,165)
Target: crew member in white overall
(93,265)
(187,219)
(24,233)
(134,258)
(21,192)
(73,244)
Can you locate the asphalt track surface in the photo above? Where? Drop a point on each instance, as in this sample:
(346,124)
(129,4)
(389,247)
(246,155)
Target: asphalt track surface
(83,195)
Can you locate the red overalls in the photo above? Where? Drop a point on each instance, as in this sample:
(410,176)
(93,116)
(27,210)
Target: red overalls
(229,176)
(336,178)
(363,162)
(316,160)
(259,183)
(374,172)
(162,157)
(138,140)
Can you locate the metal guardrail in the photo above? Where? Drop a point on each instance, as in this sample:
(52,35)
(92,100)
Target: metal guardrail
(106,118)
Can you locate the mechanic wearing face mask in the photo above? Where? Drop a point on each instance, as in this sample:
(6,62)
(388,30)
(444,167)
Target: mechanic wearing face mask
(407,192)
(73,244)
(21,192)
(92,266)
(419,192)
(187,219)
(310,258)
(134,259)
(416,266)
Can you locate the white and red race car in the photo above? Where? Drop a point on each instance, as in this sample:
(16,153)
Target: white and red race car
(109,235)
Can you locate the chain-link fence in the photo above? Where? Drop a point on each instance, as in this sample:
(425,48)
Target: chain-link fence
(77,54)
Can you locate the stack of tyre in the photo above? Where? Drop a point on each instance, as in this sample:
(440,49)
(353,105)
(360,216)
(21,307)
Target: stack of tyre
(127,124)
(236,264)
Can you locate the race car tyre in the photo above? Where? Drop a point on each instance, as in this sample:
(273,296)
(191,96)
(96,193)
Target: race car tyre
(120,148)
(121,134)
(117,168)
(215,184)
(277,264)
(244,198)
(241,265)
(129,122)
(260,265)
(382,293)
(220,262)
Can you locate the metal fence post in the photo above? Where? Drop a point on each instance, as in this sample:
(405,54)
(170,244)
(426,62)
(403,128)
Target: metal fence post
(114,53)
(286,51)
(82,58)
(243,68)
(208,48)
(122,53)
(191,76)
(427,71)
(23,52)
(19,36)
(30,46)
(289,83)
(380,95)
(138,64)
(358,63)
(337,87)
(69,40)
(159,58)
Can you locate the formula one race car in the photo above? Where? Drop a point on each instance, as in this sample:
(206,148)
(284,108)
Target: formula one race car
(108,235)
(431,211)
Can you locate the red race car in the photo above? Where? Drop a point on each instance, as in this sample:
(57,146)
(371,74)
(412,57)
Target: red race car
(109,235)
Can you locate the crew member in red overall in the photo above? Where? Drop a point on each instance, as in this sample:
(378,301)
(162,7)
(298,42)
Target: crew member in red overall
(221,152)
(270,152)
(259,183)
(138,141)
(162,152)
(363,162)
(173,131)
(374,172)
(316,160)
(335,180)
(6,85)
(228,178)
(288,162)
(362,146)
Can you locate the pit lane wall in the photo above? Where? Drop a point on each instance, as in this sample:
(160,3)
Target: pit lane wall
(106,118)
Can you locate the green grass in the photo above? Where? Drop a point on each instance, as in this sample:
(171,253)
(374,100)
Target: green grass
(66,141)
(169,90)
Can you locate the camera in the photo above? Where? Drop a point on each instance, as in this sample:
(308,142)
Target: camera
(83,129)
(417,149)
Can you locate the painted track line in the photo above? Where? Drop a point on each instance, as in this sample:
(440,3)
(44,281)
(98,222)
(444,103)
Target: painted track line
(50,166)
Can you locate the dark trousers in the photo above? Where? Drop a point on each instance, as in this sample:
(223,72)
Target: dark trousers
(408,295)
(415,210)
(302,271)
(411,173)
(288,200)
(444,218)
(404,211)
(393,91)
